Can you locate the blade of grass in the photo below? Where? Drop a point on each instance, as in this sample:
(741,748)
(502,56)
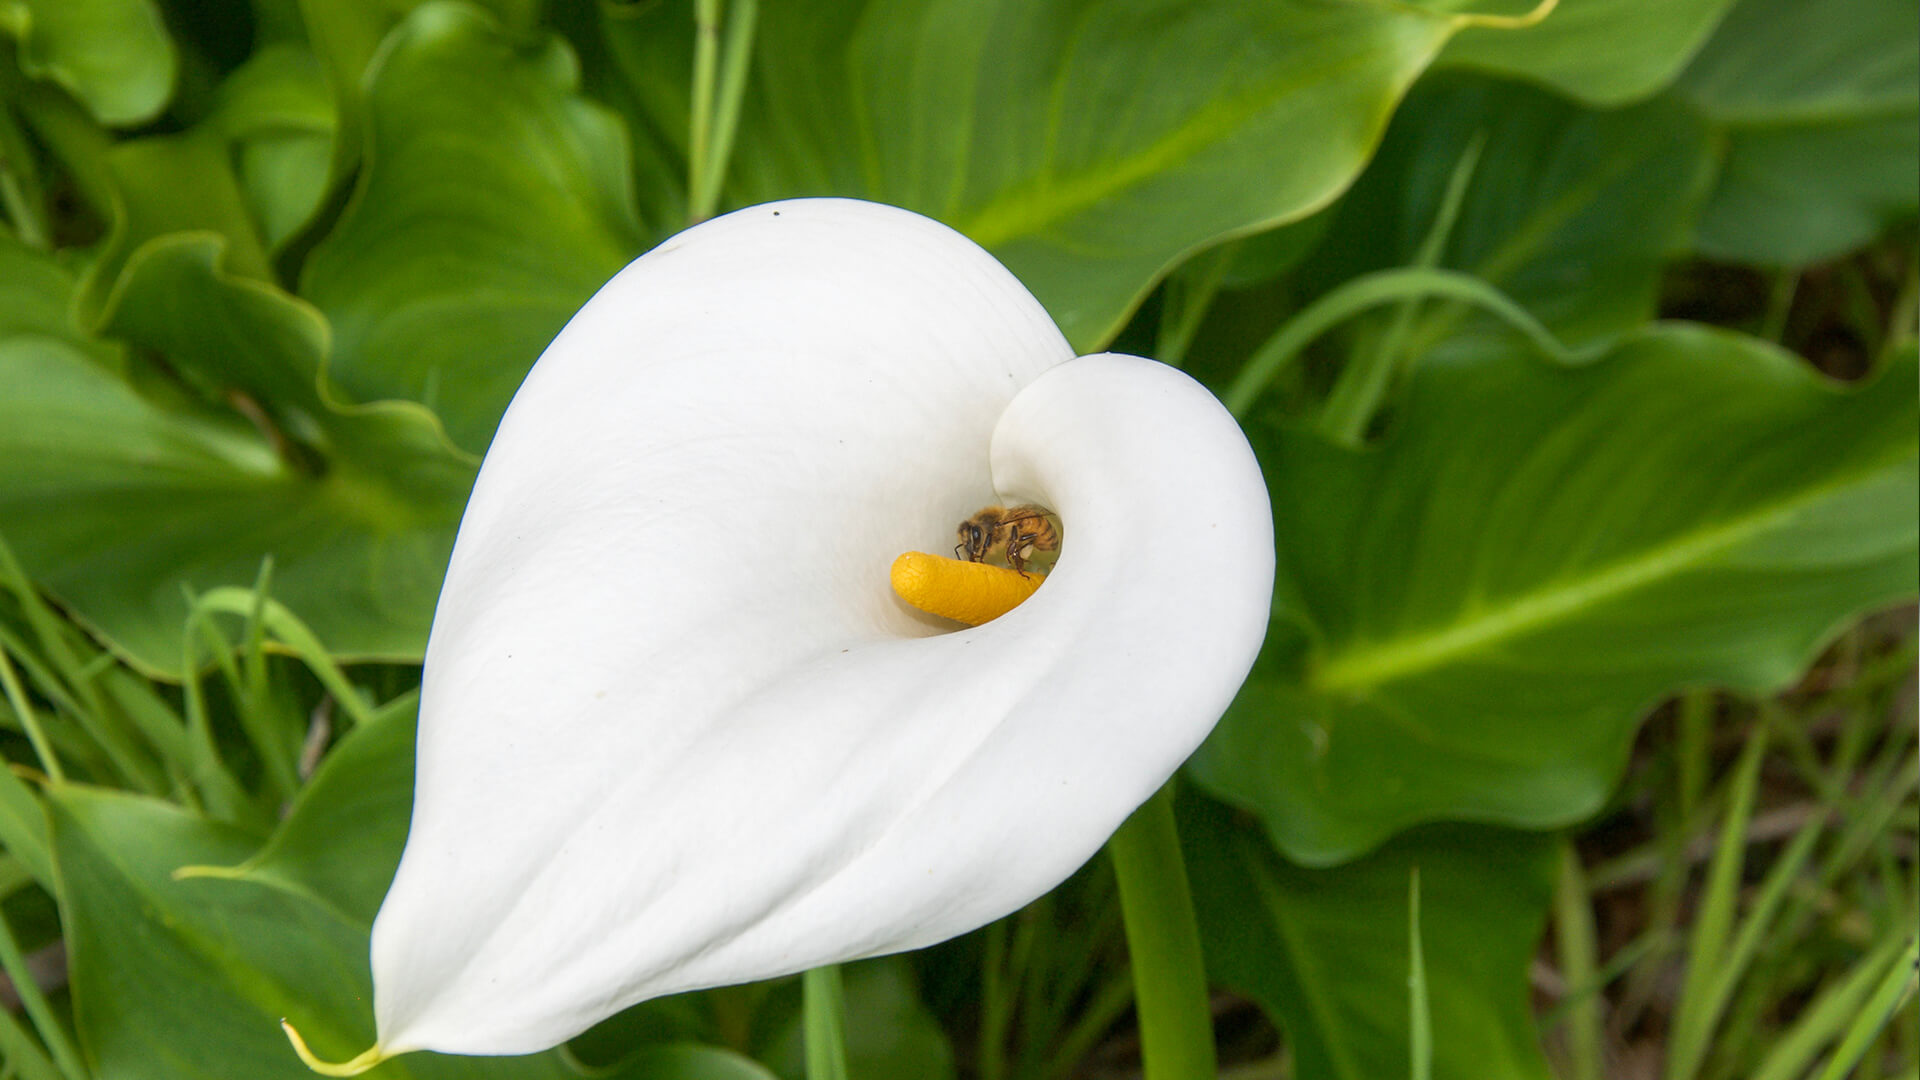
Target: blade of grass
(45,624)
(1363,384)
(290,632)
(1371,290)
(21,1055)
(1575,944)
(218,801)
(1887,998)
(23,828)
(1420,1014)
(824,1009)
(1714,924)
(255,638)
(1625,959)
(29,720)
(1103,1010)
(277,751)
(128,765)
(1823,1020)
(45,1020)
(1753,930)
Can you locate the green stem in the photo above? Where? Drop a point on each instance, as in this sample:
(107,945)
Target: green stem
(706,68)
(1369,290)
(1357,394)
(824,1013)
(734,62)
(1163,941)
(1574,938)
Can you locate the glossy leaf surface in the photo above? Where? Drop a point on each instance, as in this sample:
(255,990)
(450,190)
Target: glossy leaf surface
(493,201)
(1819,104)
(197,993)
(114,55)
(1470,619)
(1326,952)
(1089,144)
(130,496)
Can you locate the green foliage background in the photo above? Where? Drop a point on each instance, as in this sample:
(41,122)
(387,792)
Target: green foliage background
(272,271)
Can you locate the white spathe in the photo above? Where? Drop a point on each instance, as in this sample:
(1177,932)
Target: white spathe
(677,731)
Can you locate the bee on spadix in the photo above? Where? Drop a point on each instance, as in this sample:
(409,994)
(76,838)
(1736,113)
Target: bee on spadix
(1014,531)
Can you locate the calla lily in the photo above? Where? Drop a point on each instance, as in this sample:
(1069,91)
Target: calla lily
(677,731)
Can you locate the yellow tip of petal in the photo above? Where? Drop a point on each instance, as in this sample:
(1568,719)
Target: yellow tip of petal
(968,592)
(373,1055)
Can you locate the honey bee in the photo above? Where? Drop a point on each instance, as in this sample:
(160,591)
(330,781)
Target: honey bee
(1015,531)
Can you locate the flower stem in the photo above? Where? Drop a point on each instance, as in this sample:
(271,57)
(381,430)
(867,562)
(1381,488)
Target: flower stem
(706,66)
(824,1013)
(1163,940)
(719,85)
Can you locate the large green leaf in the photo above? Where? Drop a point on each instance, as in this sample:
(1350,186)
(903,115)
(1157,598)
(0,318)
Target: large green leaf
(187,979)
(115,500)
(1471,619)
(1543,211)
(114,55)
(1820,108)
(346,35)
(168,184)
(493,201)
(37,296)
(1604,52)
(1090,144)
(1326,952)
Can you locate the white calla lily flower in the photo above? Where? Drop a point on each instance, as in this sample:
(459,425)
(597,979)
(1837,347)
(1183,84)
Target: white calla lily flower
(677,731)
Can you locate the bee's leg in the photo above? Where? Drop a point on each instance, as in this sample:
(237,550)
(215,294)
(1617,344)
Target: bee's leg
(1016,544)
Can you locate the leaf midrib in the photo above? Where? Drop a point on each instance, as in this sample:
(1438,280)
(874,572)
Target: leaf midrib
(1030,209)
(1375,663)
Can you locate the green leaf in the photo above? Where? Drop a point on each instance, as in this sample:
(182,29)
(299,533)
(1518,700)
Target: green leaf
(171,184)
(493,201)
(1471,618)
(1819,104)
(1542,217)
(188,979)
(114,55)
(362,792)
(1089,144)
(114,500)
(347,34)
(1326,952)
(38,296)
(1603,52)
(278,116)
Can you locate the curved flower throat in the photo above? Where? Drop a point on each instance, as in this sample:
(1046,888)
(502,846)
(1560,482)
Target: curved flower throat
(972,587)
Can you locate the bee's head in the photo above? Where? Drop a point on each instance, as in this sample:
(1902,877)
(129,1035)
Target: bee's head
(975,538)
